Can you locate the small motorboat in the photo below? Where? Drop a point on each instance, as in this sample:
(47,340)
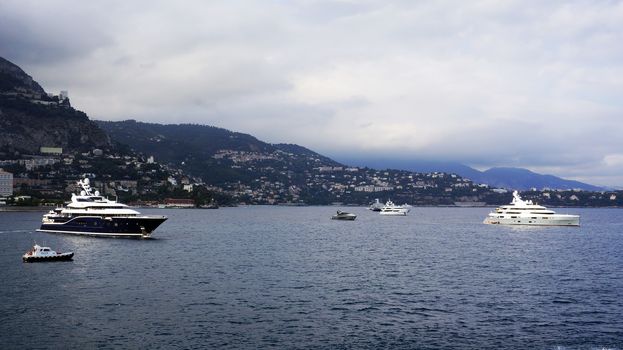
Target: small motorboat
(342,215)
(39,253)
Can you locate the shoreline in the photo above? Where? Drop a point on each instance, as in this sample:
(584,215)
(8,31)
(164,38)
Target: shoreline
(46,208)
(22,209)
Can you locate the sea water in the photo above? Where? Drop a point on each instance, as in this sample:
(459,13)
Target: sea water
(290,277)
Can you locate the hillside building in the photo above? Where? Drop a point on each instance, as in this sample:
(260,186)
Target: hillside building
(51,150)
(6,183)
(179,203)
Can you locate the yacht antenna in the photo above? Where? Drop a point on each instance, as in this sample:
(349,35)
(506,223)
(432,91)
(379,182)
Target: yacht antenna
(85,186)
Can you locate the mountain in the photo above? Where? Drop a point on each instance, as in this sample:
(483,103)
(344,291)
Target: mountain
(205,151)
(233,164)
(180,142)
(30,118)
(422,166)
(504,177)
(300,150)
(13,78)
(255,172)
(522,179)
(193,147)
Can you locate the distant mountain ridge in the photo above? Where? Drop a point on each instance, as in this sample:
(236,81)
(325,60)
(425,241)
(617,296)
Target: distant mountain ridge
(523,179)
(503,177)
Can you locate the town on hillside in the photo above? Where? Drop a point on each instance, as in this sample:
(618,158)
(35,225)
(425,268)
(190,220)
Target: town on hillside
(49,177)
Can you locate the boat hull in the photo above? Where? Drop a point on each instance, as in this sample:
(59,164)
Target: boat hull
(137,227)
(348,218)
(552,220)
(58,257)
(393,213)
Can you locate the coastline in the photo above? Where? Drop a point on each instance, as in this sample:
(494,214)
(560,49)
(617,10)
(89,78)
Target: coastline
(18,209)
(46,208)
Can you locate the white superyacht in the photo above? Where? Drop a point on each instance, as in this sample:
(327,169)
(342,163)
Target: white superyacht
(391,209)
(521,212)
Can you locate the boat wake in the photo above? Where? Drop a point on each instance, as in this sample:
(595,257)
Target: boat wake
(16,231)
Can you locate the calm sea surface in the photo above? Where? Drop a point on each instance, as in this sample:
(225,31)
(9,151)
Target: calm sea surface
(289,277)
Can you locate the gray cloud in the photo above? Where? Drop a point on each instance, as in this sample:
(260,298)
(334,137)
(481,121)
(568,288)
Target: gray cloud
(43,33)
(514,83)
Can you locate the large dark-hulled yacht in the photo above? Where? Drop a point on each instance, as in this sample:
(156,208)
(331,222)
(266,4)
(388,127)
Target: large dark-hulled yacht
(91,214)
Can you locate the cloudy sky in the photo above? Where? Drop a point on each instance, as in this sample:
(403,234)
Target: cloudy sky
(534,84)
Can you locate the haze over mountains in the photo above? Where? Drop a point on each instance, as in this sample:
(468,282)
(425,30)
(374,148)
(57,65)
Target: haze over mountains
(503,177)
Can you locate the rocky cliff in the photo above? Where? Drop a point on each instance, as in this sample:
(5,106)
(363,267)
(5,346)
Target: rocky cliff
(14,79)
(30,118)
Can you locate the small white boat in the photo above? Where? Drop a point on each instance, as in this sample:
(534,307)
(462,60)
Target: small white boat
(342,215)
(391,209)
(521,212)
(39,253)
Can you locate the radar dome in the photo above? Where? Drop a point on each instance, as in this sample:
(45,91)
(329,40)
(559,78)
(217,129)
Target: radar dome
(82,193)
(97,193)
(86,181)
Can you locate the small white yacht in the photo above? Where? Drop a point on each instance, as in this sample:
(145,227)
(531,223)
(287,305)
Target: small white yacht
(392,209)
(521,212)
(39,253)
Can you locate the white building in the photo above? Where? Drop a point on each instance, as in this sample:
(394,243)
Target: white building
(6,183)
(51,150)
